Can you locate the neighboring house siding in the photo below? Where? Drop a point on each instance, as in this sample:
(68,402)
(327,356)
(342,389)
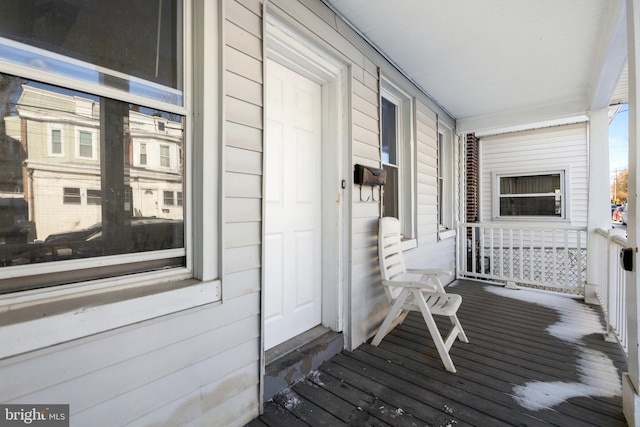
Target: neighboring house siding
(561,147)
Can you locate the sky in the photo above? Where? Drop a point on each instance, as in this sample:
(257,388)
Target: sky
(619,141)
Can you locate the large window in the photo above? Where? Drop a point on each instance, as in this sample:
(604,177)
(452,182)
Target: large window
(70,191)
(530,195)
(397,140)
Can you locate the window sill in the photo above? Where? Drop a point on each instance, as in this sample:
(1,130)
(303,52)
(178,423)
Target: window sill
(532,219)
(407,244)
(446,233)
(32,326)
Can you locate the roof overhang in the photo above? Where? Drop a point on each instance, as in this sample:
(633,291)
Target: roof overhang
(502,64)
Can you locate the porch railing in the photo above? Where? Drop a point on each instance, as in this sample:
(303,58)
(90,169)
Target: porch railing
(550,258)
(611,289)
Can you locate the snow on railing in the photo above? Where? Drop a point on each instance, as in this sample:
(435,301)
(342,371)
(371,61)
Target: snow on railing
(612,285)
(552,258)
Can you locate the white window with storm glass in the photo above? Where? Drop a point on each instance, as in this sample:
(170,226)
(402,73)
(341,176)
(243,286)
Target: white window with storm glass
(446,191)
(397,155)
(88,199)
(530,195)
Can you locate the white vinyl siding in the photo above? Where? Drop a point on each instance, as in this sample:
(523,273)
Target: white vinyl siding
(367,298)
(173,352)
(555,149)
(439,253)
(160,364)
(202,365)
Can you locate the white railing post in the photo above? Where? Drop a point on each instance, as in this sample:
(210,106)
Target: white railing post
(535,256)
(631,380)
(598,213)
(579,258)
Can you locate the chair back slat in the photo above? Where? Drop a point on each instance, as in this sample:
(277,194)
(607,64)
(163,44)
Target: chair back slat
(392,266)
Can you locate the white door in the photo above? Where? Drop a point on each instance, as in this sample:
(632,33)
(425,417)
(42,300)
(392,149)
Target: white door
(149,202)
(293,245)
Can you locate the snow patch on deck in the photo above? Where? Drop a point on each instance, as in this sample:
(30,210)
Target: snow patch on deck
(598,375)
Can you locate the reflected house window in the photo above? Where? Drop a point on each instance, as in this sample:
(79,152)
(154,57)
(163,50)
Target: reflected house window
(56,141)
(71,196)
(85,144)
(143,154)
(94,197)
(165,156)
(168,198)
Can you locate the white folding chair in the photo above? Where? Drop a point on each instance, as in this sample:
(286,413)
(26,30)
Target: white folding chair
(426,294)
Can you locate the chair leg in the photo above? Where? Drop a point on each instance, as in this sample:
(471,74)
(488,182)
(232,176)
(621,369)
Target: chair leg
(387,324)
(433,330)
(461,334)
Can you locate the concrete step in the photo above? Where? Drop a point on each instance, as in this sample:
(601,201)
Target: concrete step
(296,358)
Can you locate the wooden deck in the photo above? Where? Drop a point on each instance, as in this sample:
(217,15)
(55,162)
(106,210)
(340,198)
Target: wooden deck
(511,354)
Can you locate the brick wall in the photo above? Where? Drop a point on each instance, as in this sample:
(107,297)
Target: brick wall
(473,178)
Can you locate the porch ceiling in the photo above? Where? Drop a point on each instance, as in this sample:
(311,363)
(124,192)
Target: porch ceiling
(501,63)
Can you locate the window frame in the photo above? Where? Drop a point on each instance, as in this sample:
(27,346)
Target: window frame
(166,199)
(564,194)
(67,196)
(446,159)
(51,127)
(94,141)
(406,157)
(166,157)
(142,153)
(94,197)
(202,271)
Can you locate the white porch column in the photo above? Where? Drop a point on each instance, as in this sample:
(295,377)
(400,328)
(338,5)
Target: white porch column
(599,215)
(630,396)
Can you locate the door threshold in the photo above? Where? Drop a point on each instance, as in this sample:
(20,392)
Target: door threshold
(294,359)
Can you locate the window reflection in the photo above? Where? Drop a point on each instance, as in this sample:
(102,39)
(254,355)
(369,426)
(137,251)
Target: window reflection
(83,176)
(138,38)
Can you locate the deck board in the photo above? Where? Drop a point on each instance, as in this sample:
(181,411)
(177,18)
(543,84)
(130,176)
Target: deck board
(403,383)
